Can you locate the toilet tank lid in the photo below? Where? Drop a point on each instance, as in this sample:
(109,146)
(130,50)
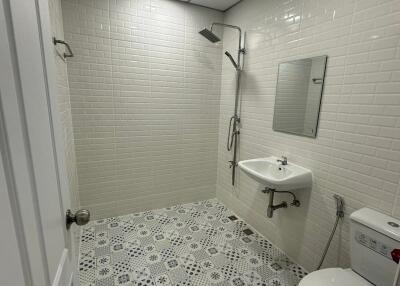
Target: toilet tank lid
(377,221)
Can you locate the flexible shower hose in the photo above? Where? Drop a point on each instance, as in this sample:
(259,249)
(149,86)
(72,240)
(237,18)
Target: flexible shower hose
(329,242)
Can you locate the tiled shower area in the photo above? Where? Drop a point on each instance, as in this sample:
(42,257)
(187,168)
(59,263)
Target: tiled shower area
(200,243)
(144,91)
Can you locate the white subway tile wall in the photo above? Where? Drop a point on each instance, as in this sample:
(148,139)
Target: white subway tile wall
(145,95)
(357,150)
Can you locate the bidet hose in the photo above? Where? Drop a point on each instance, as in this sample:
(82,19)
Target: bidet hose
(339,215)
(328,244)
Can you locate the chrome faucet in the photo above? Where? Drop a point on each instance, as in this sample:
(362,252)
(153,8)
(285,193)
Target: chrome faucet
(283,161)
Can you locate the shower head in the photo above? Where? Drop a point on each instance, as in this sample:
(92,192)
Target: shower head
(209,35)
(232,60)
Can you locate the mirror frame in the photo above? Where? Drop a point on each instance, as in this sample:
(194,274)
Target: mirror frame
(320,100)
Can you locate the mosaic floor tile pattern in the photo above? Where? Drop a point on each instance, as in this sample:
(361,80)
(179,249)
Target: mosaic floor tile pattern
(195,244)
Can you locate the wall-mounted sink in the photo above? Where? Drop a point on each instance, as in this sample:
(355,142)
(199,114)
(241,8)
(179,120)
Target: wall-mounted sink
(271,173)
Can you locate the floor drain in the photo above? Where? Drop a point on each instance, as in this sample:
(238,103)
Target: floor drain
(248,231)
(232,217)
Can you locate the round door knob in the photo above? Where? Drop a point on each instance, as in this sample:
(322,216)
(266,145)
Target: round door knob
(81,217)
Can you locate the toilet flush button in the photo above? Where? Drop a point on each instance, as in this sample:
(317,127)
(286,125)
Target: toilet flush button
(372,244)
(393,224)
(396,255)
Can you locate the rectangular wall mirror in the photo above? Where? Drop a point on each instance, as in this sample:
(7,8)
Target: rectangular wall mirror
(298,96)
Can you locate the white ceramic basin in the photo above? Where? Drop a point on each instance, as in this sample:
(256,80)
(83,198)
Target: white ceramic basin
(269,172)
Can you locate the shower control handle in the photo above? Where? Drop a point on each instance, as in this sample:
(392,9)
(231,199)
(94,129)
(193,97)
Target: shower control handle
(81,217)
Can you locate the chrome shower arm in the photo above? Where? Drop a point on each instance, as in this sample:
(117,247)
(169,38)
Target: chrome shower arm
(226,25)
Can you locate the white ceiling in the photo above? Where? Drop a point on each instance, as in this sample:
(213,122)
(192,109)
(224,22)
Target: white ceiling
(221,5)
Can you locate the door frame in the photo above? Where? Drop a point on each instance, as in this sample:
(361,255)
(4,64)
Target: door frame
(27,67)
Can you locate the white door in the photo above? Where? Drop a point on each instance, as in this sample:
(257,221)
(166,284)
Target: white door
(33,169)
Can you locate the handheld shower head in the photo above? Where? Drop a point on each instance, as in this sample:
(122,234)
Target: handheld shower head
(209,35)
(232,60)
(339,205)
(339,214)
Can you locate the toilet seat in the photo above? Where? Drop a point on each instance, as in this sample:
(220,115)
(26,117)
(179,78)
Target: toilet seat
(334,277)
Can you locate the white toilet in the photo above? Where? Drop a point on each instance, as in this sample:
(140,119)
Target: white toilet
(375,247)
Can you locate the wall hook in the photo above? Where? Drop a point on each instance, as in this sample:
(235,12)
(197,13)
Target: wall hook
(70,53)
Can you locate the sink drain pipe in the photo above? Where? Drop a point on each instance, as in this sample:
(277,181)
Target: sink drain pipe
(271,207)
(339,214)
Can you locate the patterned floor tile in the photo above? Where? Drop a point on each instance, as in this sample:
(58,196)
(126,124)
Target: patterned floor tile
(193,244)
